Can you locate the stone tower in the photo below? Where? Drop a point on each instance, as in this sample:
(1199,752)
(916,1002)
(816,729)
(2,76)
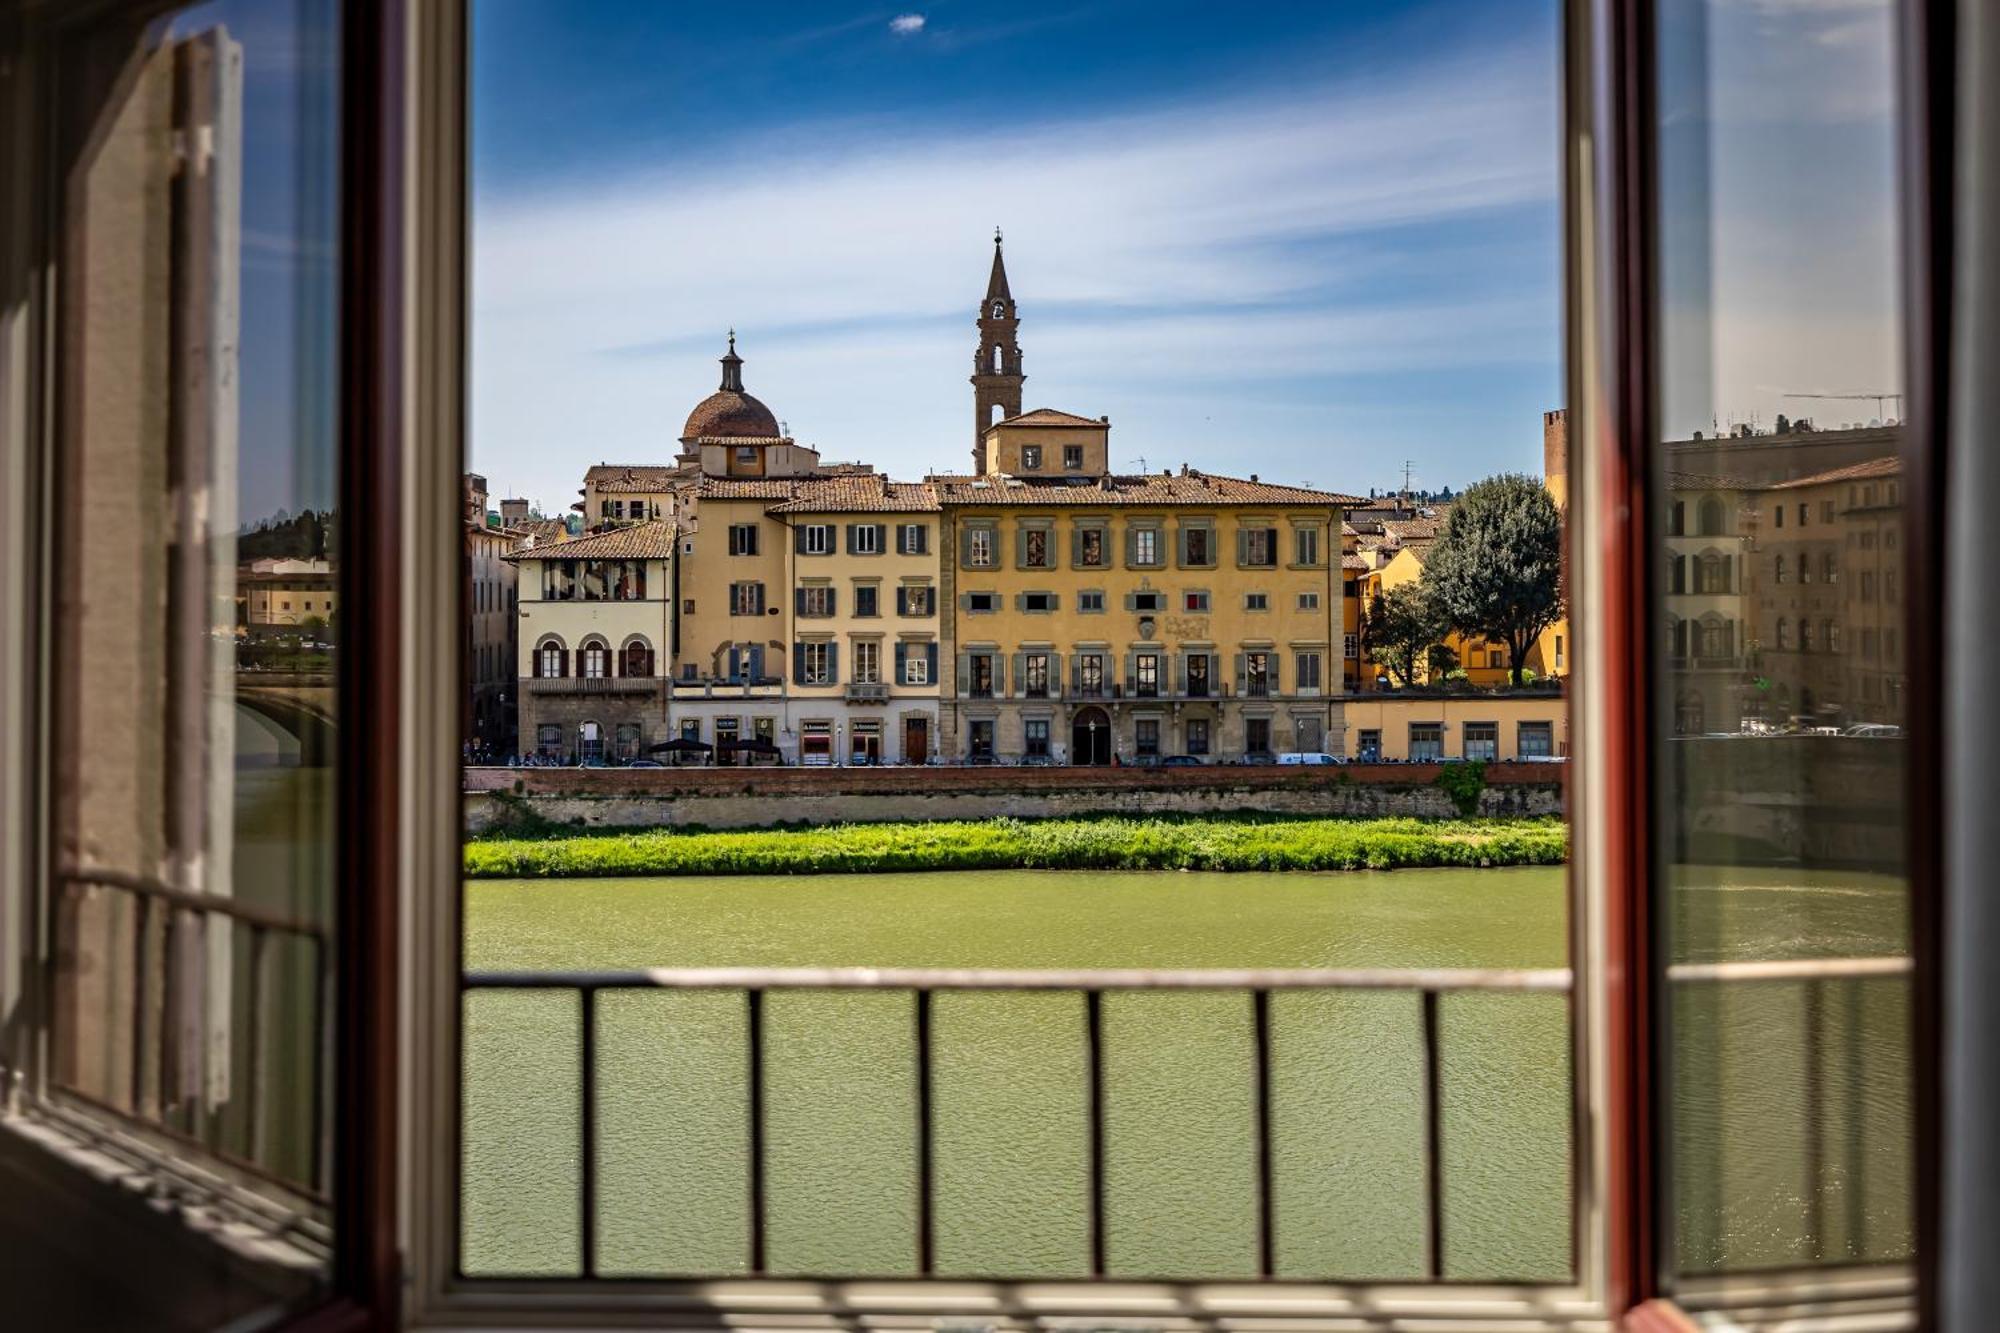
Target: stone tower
(996,366)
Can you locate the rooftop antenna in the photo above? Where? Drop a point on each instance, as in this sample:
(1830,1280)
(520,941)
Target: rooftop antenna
(1878,398)
(1141,460)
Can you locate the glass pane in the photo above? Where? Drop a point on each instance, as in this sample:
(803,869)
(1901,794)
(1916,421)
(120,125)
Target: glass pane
(194,564)
(1782,635)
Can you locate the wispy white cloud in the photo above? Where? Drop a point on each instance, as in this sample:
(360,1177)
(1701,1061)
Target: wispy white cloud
(1191,244)
(906,25)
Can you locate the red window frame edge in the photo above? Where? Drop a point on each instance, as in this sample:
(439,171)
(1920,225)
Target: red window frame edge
(1611,245)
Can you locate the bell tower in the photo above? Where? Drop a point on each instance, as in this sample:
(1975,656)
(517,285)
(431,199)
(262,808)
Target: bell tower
(996,366)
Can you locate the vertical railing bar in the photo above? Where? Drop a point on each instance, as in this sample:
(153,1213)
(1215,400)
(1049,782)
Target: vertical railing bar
(1815,1136)
(756,1088)
(1267,1265)
(926,1140)
(1857,1212)
(1433,1141)
(322,1011)
(205,1127)
(170,1004)
(1093,1040)
(253,1109)
(587,1125)
(141,929)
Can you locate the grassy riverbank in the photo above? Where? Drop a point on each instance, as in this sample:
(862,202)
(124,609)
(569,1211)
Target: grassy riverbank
(1106,843)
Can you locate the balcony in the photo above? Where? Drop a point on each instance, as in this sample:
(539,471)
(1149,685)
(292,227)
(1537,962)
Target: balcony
(593,685)
(746,687)
(867,692)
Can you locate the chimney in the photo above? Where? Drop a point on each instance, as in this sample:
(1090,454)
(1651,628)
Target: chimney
(513,513)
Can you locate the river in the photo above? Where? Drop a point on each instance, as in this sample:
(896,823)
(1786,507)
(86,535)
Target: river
(1009,1096)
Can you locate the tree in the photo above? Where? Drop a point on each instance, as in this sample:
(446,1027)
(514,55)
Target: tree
(1402,626)
(1496,569)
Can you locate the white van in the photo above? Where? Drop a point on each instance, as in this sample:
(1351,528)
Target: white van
(1307,757)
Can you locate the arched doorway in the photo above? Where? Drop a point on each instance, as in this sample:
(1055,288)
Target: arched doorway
(1090,737)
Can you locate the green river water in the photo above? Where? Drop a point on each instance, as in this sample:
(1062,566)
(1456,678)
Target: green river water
(1010,1112)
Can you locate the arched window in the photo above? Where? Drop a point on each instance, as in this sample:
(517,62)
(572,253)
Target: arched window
(996,360)
(1784,634)
(638,657)
(1778,570)
(999,309)
(1714,573)
(1690,715)
(1715,638)
(550,658)
(590,739)
(1711,517)
(594,660)
(993,414)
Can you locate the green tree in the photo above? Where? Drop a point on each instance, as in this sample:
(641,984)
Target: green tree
(1496,569)
(1401,628)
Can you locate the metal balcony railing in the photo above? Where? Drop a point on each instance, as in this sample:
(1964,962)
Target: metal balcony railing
(164,1088)
(1092,986)
(867,693)
(592,684)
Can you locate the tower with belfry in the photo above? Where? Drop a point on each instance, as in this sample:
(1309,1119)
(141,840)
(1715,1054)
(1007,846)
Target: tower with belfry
(996,366)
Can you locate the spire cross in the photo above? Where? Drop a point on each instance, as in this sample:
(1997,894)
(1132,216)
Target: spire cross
(996,236)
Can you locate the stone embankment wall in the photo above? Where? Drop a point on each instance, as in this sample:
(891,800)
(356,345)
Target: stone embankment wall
(1835,801)
(746,798)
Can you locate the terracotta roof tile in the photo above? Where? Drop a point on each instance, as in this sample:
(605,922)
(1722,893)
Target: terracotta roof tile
(860,495)
(641,541)
(1889,466)
(1193,488)
(1702,481)
(1049,416)
(626,478)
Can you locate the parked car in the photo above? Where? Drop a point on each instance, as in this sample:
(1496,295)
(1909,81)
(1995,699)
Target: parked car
(1878,730)
(1182,761)
(1307,757)
(645,763)
(1259,758)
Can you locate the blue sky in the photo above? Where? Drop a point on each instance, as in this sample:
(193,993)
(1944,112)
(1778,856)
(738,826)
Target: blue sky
(1309,241)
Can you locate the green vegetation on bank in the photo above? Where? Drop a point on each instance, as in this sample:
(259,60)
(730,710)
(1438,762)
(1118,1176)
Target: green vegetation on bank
(1103,843)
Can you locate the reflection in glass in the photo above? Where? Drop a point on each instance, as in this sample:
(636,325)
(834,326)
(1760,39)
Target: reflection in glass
(1784,681)
(197,611)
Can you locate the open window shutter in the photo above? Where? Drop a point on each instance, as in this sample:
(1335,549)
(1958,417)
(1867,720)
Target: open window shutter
(965,548)
(832,663)
(756,654)
(1214,672)
(1131,602)
(1180,673)
(735,662)
(798,662)
(798,601)
(902,601)
(1131,554)
(1020,601)
(964,681)
(881,536)
(902,661)
(833,601)
(1274,672)
(1020,672)
(562,662)
(1076,548)
(931,660)
(1131,673)
(758,599)
(1242,674)
(1242,546)
(1076,667)
(1020,547)
(903,540)
(1055,675)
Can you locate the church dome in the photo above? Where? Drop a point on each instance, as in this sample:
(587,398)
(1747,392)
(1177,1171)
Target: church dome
(729,411)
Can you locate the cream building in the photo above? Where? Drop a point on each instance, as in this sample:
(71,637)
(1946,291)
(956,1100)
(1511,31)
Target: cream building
(596,616)
(1420,726)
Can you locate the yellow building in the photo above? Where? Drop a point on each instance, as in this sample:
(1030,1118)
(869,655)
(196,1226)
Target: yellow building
(1099,618)
(1425,725)
(626,493)
(285,594)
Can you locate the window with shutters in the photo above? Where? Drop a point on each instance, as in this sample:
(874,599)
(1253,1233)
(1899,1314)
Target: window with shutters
(1306,672)
(1256,674)
(1031,458)
(979,548)
(916,663)
(1198,676)
(1090,548)
(746,599)
(816,663)
(816,539)
(1035,549)
(1146,676)
(549,660)
(638,658)
(980,669)
(1148,601)
(1038,602)
(1712,574)
(864,539)
(867,600)
(742,539)
(867,662)
(596,663)
(1259,547)
(982,603)
(1035,675)
(1090,674)
(1197,547)
(1090,600)
(1306,540)
(1145,547)
(912,539)
(816,601)
(918,599)
(1072,458)
(1195,603)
